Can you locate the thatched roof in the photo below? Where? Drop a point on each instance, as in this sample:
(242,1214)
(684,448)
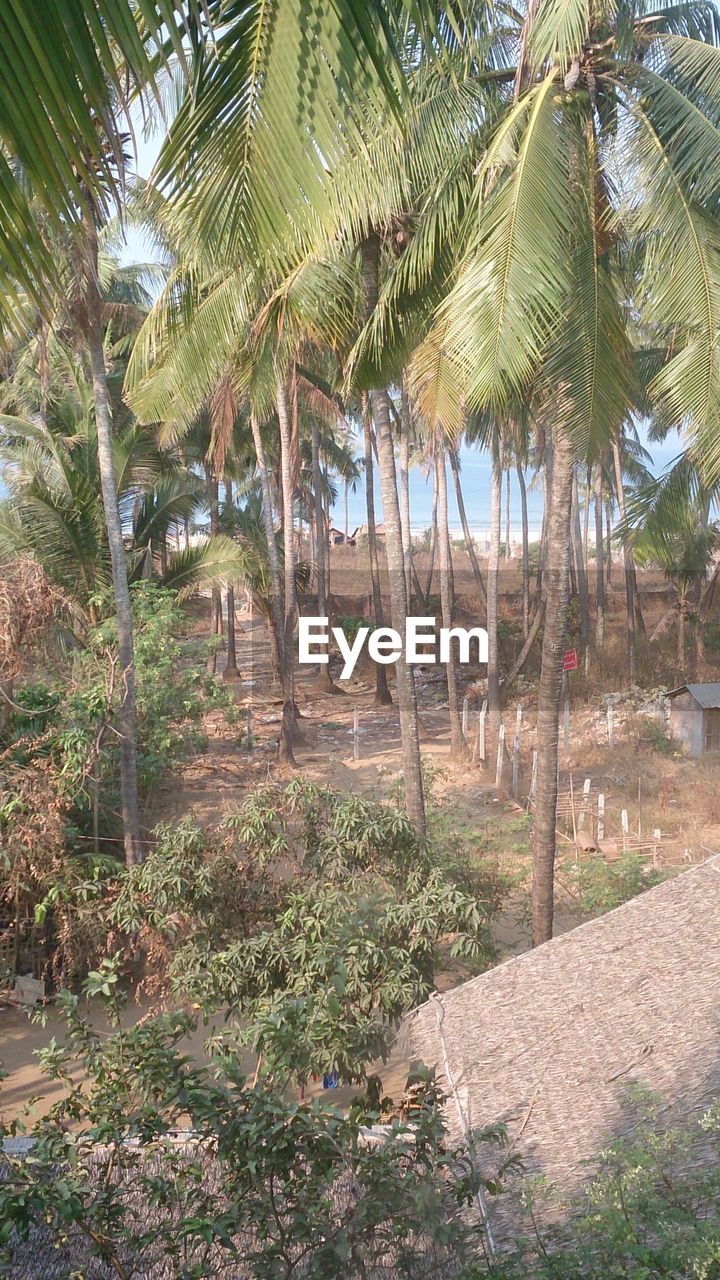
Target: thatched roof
(549,1041)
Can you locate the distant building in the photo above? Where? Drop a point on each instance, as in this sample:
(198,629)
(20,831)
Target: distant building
(695,717)
(338,539)
(549,1042)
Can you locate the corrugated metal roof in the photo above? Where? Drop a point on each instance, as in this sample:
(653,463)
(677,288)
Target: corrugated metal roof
(707,695)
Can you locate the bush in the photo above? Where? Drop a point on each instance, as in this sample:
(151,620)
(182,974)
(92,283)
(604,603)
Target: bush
(602,885)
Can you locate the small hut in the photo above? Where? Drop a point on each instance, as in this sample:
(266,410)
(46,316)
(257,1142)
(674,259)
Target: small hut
(695,717)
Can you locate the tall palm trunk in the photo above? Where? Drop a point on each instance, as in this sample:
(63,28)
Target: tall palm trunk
(580,569)
(231,667)
(324,681)
(382,693)
(127,714)
(287,731)
(269,526)
(433,542)
(599,560)
(457,740)
(215,598)
(608,544)
(493,574)
(507,515)
(405,420)
(627,566)
(455,469)
(549,689)
(407,699)
(525,551)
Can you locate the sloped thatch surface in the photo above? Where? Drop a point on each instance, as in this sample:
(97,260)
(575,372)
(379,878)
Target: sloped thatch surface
(549,1041)
(144,1252)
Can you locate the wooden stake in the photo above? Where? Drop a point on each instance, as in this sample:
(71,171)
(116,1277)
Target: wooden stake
(465,710)
(585,803)
(481,731)
(516,765)
(500,754)
(356,734)
(625,828)
(601,817)
(533,777)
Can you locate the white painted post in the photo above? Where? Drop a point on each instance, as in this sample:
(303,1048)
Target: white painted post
(356,734)
(500,753)
(481,732)
(656,851)
(585,802)
(566,723)
(518,719)
(601,817)
(610,723)
(625,827)
(465,710)
(516,765)
(533,777)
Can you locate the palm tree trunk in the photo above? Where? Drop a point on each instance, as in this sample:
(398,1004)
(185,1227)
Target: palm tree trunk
(457,740)
(599,561)
(405,491)
(433,542)
(215,600)
(627,566)
(407,699)
(287,731)
(549,689)
(507,515)
(493,574)
(127,714)
(324,682)
(455,469)
(586,523)
(382,693)
(269,526)
(681,632)
(231,668)
(525,551)
(347,511)
(580,569)
(608,545)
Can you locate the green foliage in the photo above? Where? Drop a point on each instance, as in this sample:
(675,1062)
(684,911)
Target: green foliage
(363,914)
(77,732)
(602,885)
(649,1211)
(259,1185)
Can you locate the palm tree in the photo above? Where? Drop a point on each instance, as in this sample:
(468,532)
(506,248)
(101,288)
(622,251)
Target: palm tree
(607,154)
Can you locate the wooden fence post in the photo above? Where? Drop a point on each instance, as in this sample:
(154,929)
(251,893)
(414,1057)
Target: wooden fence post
(356,734)
(601,817)
(500,753)
(625,828)
(465,710)
(533,777)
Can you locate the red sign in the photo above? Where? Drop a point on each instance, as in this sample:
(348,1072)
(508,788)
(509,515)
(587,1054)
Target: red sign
(570,660)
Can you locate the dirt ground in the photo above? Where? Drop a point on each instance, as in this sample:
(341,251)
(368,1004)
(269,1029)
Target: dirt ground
(657,787)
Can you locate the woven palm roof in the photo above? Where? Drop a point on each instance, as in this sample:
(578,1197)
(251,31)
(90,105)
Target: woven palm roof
(549,1041)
